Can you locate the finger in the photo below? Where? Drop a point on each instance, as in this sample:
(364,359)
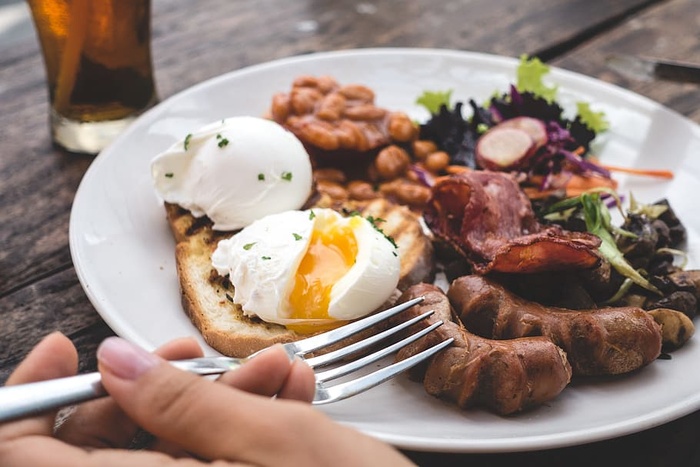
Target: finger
(205,418)
(300,384)
(102,423)
(270,373)
(49,452)
(54,357)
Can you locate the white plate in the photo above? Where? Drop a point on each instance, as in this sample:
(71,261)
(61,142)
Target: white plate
(123,250)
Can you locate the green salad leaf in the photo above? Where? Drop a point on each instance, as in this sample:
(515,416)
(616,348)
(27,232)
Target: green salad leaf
(596,121)
(433,100)
(597,218)
(529,78)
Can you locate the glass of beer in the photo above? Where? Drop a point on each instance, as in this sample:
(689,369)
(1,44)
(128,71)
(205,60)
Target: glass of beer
(97,55)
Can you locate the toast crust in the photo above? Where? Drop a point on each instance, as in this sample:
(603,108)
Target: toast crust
(207,297)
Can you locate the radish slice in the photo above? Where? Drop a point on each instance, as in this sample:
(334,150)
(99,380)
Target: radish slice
(503,148)
(532,126)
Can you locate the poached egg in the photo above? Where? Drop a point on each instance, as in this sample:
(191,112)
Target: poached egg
(235,171)
(302,269)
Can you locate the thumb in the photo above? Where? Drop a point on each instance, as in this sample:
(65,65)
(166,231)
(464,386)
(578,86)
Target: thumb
(54,357)
(208,419)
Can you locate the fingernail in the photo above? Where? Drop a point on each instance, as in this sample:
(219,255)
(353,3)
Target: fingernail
(124,359)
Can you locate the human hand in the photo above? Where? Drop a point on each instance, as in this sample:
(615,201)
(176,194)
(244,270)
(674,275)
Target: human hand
(233,419)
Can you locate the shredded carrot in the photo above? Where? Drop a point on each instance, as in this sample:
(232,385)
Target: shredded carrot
(456,169)
(579,182)
(441,178)
(660,173)
(667,174)
(575,186)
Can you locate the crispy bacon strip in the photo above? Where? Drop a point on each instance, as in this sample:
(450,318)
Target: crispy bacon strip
(487,218)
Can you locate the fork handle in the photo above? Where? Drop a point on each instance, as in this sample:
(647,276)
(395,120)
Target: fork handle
(35,398)
(30,399)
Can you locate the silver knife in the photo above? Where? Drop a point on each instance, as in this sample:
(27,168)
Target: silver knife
(644,69)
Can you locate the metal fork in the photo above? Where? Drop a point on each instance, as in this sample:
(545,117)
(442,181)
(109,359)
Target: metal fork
(34,398)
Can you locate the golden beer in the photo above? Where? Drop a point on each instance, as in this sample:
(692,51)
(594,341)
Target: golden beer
(97,55)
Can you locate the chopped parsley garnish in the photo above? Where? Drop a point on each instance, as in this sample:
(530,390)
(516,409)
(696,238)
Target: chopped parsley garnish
(266,258)
(169,175)
(375,221)
(311,215)
(287,176)
(261,177)
(223,142)
(297,237)
(187,141)
(248,246)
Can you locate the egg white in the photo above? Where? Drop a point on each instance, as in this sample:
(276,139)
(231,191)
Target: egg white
(262,259)
(234,171)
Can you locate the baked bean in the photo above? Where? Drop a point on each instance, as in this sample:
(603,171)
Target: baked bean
(365,112)
(303,100)
(357,92)
(350,136)
(361,190)
(401,128)
(326,84)
(437,161)
(392,162)
(280,107)
(375,136)
(423,147)
(412,175)
(331,107)
(329,174)
(372,174)
(320,134)
(405,192)
(332,189)
(305,81)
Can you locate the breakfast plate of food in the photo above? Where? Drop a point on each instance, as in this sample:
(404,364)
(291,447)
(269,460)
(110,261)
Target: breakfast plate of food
(293,196)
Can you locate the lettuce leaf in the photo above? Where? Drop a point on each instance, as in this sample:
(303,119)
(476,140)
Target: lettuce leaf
(433,100)
(596,121)
(529,78)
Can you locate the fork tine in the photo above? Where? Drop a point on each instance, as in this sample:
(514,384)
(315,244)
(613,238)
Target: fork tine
(327,338)
(373,357)
(335,355)
(325,395)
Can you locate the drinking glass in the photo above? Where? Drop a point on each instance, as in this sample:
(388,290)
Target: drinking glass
(97,55)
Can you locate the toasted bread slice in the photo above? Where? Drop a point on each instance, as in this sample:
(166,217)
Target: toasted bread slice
(405,228)
(207,297)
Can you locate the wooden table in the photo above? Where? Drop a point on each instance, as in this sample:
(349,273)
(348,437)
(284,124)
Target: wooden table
(193,41)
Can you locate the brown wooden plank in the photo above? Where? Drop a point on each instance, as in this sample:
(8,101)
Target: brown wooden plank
(654,33)
(272,29)
(56,303)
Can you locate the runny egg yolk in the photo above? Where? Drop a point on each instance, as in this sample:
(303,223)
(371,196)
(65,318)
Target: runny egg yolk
(331,253)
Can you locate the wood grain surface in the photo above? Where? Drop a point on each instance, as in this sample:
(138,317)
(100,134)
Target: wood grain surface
(194,41)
